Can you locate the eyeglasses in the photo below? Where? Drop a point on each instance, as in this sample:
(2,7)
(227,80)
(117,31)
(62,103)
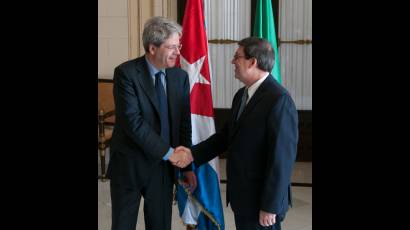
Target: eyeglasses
(236,56)
(174,47)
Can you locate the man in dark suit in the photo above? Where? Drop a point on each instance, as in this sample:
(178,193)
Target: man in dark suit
(260,140)
(153,115)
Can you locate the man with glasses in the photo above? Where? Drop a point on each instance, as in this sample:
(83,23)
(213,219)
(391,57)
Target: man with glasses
(260,140)
(152,109)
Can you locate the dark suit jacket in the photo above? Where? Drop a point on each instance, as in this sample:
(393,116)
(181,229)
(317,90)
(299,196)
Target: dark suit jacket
(261,150)
(136,146)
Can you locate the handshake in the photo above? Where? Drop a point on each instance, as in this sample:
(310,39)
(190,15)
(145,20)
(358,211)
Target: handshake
(181,157)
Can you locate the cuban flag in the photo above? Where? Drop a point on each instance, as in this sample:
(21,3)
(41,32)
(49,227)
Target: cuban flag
(204,207)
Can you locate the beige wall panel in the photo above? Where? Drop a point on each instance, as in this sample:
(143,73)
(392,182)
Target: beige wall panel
(120,26)
(117,8)
(113,27)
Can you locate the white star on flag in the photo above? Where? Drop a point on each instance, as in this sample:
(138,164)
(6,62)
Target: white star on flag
(194,71)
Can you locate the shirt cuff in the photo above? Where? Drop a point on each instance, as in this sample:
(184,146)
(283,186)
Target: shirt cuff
(169,153)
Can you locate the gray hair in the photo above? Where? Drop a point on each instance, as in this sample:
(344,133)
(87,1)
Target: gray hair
(157,30)
(260,49)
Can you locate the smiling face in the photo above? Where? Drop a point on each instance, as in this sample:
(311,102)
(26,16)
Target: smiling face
(165,55)
(242,65)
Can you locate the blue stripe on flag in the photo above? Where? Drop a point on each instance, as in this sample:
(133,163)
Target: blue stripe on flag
(204,223)
(208,194)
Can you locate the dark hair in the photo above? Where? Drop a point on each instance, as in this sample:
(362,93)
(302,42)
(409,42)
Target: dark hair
(260,49)
(157,30)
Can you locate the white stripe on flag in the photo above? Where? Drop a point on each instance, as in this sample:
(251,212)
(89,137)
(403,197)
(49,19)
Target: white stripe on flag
(202,128)
(191,213)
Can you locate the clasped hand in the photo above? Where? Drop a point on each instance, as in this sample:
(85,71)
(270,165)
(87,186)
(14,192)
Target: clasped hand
(181,157)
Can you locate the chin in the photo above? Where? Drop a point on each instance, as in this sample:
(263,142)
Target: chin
(171,64)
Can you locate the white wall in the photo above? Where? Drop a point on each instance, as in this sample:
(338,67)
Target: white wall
(295,24)
(225,20)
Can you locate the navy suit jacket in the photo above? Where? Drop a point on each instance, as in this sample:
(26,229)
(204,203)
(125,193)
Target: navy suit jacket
(136,147)
(261,150)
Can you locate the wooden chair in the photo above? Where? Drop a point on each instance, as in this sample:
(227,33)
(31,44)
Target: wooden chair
(106,119)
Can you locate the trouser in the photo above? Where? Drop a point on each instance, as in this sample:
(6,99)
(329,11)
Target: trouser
(157,202)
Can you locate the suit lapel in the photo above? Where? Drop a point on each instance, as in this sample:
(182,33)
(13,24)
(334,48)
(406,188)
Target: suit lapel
(250,106)
(235,108)
(252,102)
(236,105)
(146,82)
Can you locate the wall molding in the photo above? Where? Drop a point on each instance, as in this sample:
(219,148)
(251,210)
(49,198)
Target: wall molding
(134,28)
(103,80)
(298,42)
(222,41)
(228,41)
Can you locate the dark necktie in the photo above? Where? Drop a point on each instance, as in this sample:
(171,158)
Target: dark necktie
(163,107)
(243,103)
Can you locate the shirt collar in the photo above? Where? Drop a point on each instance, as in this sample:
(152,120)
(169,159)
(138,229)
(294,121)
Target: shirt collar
(151,68)
(252,89)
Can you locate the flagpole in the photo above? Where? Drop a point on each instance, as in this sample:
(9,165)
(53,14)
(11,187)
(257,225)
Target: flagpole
(203,210)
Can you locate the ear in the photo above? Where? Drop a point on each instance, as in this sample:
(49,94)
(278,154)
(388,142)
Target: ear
(253,63)
(152,49)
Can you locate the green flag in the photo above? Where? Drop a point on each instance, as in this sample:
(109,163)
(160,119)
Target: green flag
(264,27)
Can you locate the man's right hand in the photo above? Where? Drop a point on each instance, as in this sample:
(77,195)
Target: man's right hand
(181,157)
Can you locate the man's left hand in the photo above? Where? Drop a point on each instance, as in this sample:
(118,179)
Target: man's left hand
(190,180)
(266,219)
